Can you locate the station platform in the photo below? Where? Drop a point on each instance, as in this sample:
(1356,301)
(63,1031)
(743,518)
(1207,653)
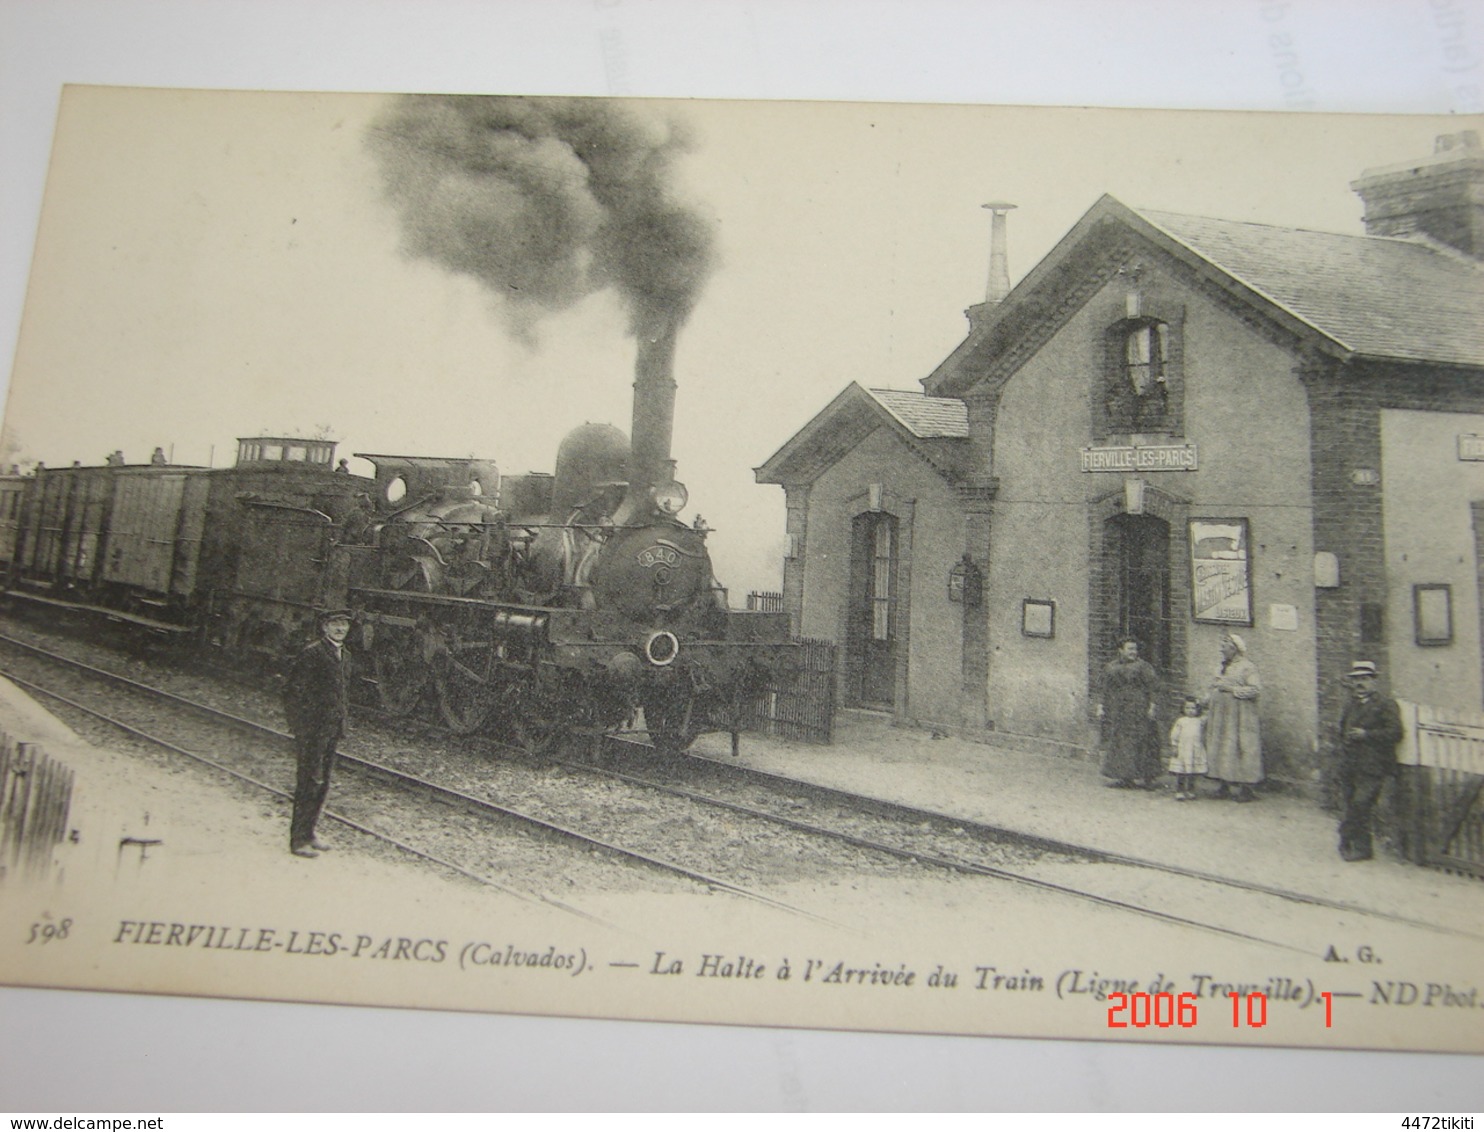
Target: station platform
(1280,839)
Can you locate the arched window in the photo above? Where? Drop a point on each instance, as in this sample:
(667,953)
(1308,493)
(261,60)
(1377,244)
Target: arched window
(1139,394)
(1145,348)
(1141,389)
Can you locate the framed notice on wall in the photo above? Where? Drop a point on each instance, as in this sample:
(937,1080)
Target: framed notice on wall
(1220,572)
(1432,613)
(1038,618)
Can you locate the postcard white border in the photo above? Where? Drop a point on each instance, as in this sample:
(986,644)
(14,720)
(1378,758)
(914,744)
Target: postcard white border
(1215,55)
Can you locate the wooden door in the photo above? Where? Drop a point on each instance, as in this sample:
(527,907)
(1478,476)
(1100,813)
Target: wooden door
(1143,563)
(872,624)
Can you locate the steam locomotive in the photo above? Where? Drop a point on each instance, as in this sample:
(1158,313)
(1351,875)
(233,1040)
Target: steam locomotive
(536,607)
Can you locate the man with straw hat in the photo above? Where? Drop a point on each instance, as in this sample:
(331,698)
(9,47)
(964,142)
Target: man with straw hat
(1370,729)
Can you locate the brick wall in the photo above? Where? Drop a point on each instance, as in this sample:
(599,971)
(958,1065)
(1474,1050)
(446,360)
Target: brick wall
(978,526)
(1345,420)
(796,521)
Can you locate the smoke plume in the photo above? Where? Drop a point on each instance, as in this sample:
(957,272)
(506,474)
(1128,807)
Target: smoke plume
(545,201)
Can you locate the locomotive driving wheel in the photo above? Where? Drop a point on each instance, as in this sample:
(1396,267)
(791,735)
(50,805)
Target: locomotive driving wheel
(466,676)
(533,714)
(401,675)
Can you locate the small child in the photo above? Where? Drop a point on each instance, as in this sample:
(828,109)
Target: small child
(1188,749)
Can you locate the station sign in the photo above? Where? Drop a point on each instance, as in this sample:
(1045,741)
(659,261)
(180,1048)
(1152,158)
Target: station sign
(1141,458)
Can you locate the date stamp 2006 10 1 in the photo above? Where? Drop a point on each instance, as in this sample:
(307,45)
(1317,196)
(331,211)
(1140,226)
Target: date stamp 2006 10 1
(1166,1010)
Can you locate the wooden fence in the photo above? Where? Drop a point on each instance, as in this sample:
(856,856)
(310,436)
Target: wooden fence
(35,798)
(1444,819)
(801,703)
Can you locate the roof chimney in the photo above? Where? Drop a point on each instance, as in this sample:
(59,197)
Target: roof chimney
(999,271)
(1440,197)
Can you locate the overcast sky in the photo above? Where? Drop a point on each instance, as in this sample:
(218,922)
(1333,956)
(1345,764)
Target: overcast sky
(212,265)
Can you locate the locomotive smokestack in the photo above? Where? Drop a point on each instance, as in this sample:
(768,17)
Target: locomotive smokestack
(654,409)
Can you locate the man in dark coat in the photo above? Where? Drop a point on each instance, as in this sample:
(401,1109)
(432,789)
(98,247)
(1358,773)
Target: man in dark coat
(314,702)
(1370,729)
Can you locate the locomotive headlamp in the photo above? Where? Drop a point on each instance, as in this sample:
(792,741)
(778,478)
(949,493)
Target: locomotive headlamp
(670,497)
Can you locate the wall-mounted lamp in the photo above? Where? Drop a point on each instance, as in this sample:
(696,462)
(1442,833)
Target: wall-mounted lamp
(966,583)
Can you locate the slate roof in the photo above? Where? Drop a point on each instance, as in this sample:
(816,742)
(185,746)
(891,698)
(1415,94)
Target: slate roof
(1356,296)
(924,416)
(1380,297)
(935,428)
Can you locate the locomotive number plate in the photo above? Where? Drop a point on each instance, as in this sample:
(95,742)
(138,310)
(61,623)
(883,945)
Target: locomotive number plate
(658,556)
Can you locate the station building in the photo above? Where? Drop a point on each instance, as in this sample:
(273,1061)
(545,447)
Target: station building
(1173,427)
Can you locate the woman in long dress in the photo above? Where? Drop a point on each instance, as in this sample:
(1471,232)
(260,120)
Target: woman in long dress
(1233,733)
(1131,750)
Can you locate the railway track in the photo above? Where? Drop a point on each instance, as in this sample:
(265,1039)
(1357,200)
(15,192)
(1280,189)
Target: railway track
(920,840)
(775,786)
(961,846)
(256,767)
